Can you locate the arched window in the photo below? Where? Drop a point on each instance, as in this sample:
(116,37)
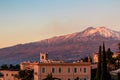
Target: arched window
(60,70)
(42,57)
(53,70)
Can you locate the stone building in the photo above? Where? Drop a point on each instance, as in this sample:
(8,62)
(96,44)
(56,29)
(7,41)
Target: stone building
(59,69)
(8,75)
(95,57)
(63,71)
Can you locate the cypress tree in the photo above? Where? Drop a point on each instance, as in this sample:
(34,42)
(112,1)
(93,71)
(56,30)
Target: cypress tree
(104,75)
(109,57)
(98,74)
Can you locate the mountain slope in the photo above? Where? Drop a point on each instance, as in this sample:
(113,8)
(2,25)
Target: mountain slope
(66,47)
(102,31)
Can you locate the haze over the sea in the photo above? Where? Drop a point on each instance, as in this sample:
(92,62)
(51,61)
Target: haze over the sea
(23,21)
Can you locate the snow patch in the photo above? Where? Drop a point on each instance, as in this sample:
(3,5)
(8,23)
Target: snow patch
(105,32)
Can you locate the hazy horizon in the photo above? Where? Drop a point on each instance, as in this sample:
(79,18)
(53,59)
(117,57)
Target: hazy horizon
(24,21)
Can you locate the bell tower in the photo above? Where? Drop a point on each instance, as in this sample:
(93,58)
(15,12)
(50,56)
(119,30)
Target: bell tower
(43,57)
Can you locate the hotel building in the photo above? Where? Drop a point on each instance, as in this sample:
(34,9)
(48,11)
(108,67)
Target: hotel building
(59,69)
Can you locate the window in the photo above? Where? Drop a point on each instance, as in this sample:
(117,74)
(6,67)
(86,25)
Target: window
(42,57)
(60,70)
(12,74)
(85,79)
(80,69)
(53,70)
(75,70)
(84,70)
(68,78)
(77,78)
(43,70)
(35,73)
(68,70)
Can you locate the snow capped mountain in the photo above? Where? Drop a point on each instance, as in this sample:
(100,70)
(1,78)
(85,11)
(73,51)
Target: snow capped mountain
(66,47)
(90,33)
(103,31)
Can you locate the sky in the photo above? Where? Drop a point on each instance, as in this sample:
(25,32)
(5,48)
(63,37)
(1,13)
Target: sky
(24,21)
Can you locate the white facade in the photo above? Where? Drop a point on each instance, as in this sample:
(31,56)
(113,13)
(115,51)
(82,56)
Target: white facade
(63,71)
(59,69)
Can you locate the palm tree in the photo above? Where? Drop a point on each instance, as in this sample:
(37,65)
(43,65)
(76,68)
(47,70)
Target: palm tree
(50,77)
(25,75)
(4,67)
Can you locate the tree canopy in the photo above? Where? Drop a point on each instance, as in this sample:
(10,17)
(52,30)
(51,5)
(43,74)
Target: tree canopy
(25,75)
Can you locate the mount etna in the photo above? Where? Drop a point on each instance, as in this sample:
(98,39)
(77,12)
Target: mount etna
(67,47)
